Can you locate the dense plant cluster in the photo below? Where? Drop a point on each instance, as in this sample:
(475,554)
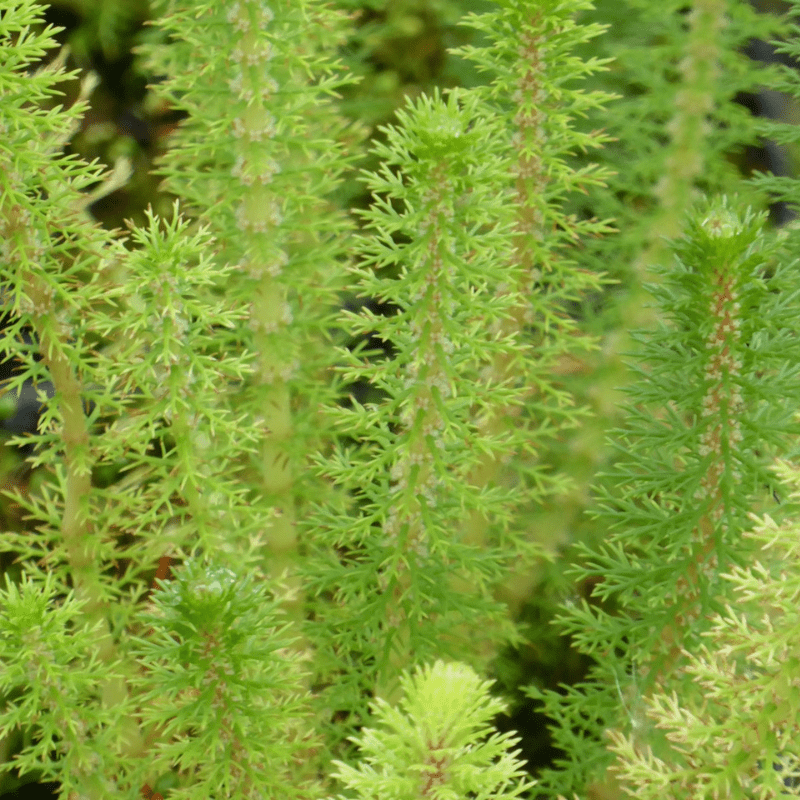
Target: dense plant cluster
(318,427)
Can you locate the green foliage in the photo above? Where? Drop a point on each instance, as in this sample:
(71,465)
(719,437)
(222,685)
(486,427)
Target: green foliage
(741,739)
(435,744)
(411,469)
(218,668)
(229,569)
(50,682)
(714,403)
(104,25)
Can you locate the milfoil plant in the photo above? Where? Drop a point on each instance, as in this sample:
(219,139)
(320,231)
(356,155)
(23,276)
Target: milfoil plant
(714,404)
(270,559)
(711,711)
(227,560)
